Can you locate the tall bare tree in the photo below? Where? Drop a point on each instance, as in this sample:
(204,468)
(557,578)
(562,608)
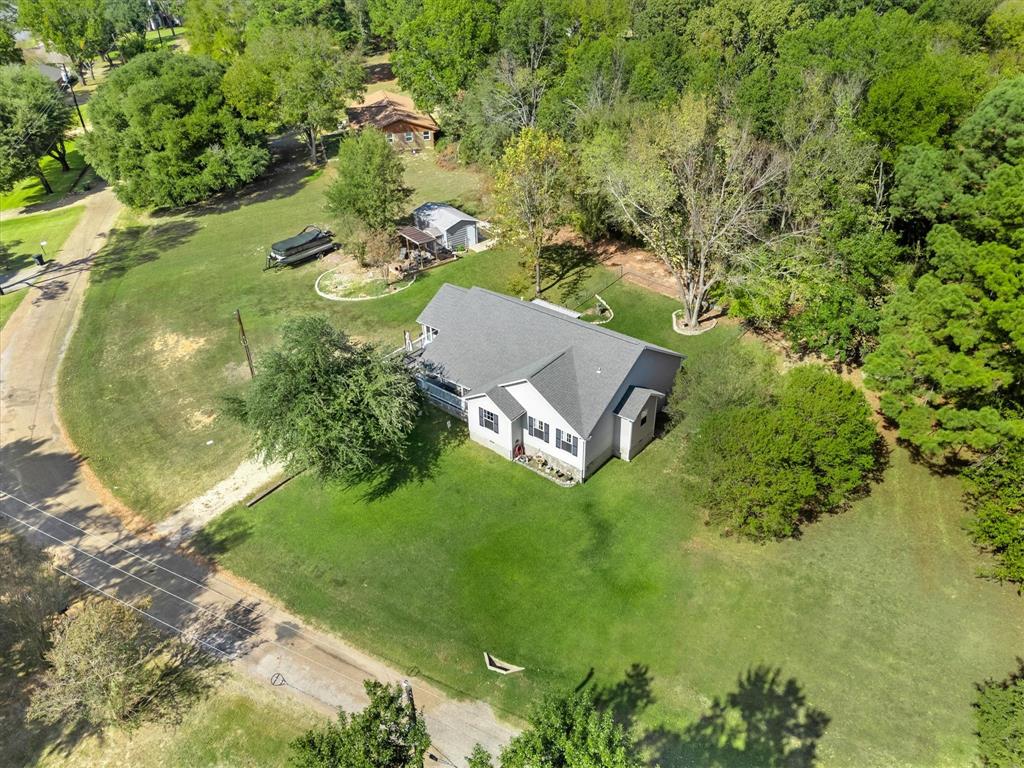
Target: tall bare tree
(701,191)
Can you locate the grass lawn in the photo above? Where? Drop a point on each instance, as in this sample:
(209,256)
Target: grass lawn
(20,237)
(30,191)
(158,343)
(875,613)
(379,75)
(8,303)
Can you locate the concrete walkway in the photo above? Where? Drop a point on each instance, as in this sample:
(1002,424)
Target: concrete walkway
(45,497)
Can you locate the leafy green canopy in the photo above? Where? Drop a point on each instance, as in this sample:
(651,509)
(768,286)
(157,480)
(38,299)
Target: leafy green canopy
(164,136)
(762,469)
(995,493)
(531,192)
(370,184)
(568,731)
(323,402)
(222,29)
(442,47)
(386,734)
(33,120)
(999,720)
(294,77)
(950,361)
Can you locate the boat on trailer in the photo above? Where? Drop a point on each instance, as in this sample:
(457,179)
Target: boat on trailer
(309,243)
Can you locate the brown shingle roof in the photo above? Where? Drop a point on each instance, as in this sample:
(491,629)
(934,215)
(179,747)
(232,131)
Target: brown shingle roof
(384,108)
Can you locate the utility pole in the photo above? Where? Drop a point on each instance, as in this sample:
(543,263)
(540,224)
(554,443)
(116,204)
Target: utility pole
(74,97)
(245,343)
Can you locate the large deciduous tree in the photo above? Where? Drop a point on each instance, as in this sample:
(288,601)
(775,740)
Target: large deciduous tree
(79,29)
(323,402)
(34,119)
(442,48)
(950,360)
(164,135)
(216,28)
(104,668)
(567,730)
(387,733)
(764,469)
(370,183)
(531,191)
(294,77)
(700,191)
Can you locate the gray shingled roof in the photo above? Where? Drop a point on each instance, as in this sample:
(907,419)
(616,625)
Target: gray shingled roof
(440,215)
(486,340)
(506,403)
(634,401)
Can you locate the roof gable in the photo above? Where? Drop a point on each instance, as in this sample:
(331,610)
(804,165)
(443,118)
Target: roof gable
(486,340)
(384,108)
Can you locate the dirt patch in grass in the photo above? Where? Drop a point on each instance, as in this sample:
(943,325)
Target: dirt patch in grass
(199,419)
(171,347)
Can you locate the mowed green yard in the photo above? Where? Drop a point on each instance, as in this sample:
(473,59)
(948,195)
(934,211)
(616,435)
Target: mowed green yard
(875,613)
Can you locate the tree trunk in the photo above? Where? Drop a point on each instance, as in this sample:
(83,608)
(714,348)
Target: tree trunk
(311,142)
(42,178)
(536,274)
(60,153)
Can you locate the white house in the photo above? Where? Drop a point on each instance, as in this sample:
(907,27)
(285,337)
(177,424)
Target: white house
(531,378)
(449,226)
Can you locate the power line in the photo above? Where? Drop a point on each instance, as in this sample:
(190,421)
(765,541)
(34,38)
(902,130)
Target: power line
(148,561)
(184,600)
(229,657)
(252,632)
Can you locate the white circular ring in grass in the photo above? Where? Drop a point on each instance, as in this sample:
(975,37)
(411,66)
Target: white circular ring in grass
(332,297)
(685,330)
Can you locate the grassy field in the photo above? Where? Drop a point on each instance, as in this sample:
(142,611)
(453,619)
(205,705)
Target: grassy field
(875,613)
(20,237)
(158,343)
(30,191)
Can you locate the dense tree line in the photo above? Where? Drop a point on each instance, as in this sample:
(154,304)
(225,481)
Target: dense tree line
(846,174)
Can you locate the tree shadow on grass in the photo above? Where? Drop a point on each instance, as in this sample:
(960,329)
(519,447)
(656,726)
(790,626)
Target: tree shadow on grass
(222,535)
(566,267)
(134,246)
(436,433)
(378,73)
(11,262)
(765,723)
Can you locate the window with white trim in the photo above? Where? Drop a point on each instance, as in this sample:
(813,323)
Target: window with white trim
(488,420)
(537,428)
(408,136)
(567,442)
(391,138)
(426,135)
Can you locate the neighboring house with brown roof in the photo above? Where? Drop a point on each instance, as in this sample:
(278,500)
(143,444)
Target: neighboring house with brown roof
(404,126)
